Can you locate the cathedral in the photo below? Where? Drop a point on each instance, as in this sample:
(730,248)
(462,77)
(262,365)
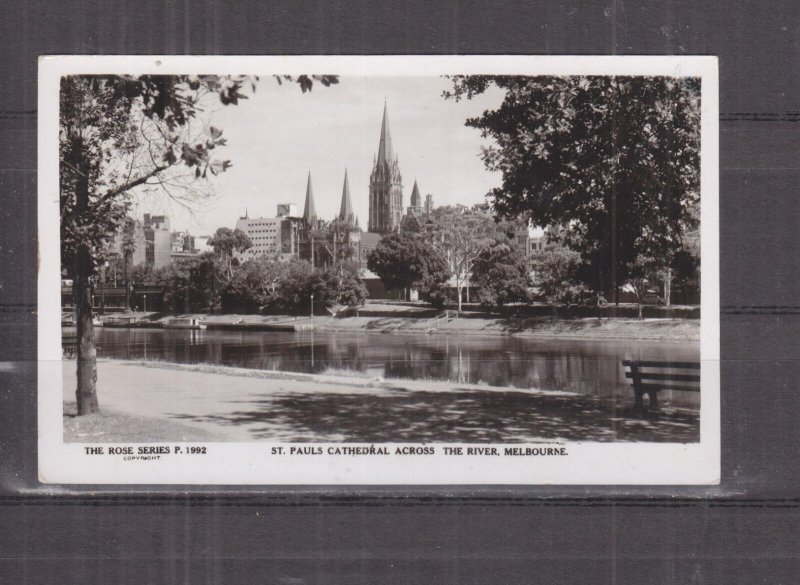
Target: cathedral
(385,185)
(385,207)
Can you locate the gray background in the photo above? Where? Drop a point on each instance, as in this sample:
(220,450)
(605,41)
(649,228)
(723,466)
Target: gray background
(746,530)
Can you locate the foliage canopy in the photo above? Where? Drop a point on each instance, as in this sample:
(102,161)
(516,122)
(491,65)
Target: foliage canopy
(404,260)
(596,155)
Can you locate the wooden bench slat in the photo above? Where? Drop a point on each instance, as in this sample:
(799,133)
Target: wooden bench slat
(647,382)
(664,365)
(669,387)
(668,377)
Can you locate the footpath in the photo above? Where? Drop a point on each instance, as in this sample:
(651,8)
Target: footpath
(157,401)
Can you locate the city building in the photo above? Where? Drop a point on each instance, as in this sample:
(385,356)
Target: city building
(157,241)
(182,242)
(148,242)
(274,237)
(385,185)
(428,203)
(183,247)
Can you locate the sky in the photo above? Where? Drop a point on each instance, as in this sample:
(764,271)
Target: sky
(279,134)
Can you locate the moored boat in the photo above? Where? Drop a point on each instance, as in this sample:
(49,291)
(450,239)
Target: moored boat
(185,323)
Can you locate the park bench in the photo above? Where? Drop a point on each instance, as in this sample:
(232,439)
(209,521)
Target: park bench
(651,377)
(69,347)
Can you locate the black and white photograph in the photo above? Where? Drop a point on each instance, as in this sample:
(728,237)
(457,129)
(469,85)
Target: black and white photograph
(379,270)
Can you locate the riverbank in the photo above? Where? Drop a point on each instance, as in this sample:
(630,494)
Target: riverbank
(399,319)
(157,401)
(532,327)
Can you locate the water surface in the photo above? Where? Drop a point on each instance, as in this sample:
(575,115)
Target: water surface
(584,367)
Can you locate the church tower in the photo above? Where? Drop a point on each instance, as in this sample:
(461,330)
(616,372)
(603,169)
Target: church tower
(346,210)
(310,211)
(385,185)
(309,248)
(416,200)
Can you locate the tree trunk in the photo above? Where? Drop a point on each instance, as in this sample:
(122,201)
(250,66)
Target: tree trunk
(668,287)
(459,289)
(86,392)
(639,306)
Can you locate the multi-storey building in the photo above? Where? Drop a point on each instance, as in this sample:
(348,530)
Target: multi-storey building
(147,242)
(274,237)
(182,242)
(158,241)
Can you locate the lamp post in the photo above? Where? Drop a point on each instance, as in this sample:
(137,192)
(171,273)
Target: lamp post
(103,269)
(312,306)
(144,301)
(614,245)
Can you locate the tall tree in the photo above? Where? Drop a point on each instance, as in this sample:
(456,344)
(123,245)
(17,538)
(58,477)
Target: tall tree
(292,285)
(119,133)
(643,274)
(226,244)
(614,160)
(557,273)
(404,260)
(190,284)
(338,287)
(462,235)
(501,273)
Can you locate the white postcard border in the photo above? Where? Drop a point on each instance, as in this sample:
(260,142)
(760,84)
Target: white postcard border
(253,463)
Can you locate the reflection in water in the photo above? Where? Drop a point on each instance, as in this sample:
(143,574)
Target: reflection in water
(585,367)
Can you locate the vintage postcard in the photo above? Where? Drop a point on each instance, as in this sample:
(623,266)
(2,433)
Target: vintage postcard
(378,270)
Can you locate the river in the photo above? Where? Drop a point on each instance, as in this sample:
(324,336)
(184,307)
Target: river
(580,366)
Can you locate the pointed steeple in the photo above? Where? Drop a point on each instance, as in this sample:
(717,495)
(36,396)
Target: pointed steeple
(346,210)
(385,184)
(310,212)
(385,150)
(416,199)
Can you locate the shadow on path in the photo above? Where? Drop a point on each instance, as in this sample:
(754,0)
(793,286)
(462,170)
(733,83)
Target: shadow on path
(458,416)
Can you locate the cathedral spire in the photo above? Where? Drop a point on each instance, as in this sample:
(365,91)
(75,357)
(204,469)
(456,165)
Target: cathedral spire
(310,212)
(385,150)
(385,185)
(346,211)
(416,199)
